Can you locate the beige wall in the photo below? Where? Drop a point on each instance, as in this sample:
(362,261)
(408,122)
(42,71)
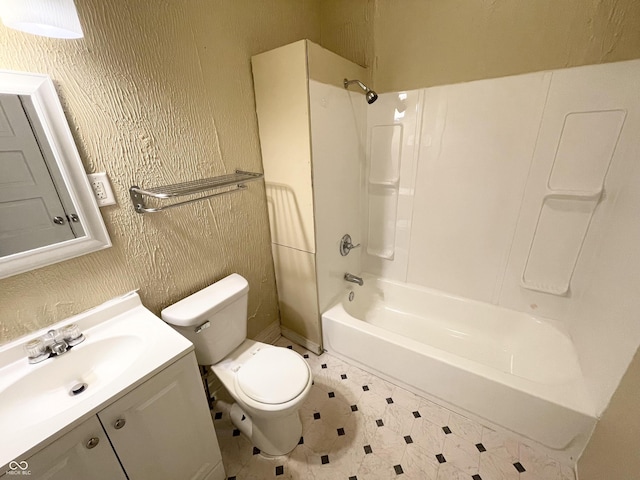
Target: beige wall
(159,92)
(613,450)
(346,28)
(421,43)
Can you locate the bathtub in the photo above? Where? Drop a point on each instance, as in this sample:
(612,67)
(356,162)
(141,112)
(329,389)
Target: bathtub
(502,367)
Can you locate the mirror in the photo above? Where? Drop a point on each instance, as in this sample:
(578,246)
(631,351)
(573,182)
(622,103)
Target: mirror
(48,212)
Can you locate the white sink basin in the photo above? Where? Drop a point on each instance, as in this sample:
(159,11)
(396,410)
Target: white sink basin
(46,386)
(125,345)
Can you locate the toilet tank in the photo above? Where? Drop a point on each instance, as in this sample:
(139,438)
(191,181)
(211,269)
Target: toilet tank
(213,319)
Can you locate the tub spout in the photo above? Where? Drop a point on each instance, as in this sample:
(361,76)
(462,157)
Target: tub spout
(354,279)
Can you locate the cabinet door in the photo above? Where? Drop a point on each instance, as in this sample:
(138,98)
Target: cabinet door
(163,430)
(83,453)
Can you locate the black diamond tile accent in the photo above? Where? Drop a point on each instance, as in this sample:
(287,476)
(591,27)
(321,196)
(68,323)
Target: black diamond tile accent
(367,449)
(389,400)
(231,478)
(331,394)
(519,467)
(306,355)
(408,439)
(324,365)
(301,441)
(446,430)
(256,450)
(480,447)
(218,415)
(441,458)
(324,459)
(279,470)
(316,416)
(416,414)
(476,477)
(365,388)
(340,431)
(343,376)
(353,477)
(290,347)
(236,432)
(379,422)
(398,469)
(354,408)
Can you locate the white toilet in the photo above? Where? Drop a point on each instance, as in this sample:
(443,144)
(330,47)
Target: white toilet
(268,383)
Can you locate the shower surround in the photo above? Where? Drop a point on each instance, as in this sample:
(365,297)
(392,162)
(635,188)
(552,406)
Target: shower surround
(518,195)
(493,208)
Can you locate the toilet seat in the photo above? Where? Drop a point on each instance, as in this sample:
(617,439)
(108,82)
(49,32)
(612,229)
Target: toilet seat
(273,376)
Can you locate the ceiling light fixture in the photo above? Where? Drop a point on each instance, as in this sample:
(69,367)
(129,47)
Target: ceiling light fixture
(48,18)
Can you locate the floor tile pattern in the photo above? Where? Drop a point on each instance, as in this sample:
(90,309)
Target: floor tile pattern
(357,426)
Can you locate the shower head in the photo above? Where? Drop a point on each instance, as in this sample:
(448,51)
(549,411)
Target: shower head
(370,95)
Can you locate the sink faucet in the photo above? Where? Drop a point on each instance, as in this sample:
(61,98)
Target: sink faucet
(54,343)
(353,279)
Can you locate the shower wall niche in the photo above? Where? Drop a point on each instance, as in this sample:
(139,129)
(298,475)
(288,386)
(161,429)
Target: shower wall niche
(312,137)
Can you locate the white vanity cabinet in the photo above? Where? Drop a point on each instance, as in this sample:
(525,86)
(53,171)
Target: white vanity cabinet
(161,430)
(84,452)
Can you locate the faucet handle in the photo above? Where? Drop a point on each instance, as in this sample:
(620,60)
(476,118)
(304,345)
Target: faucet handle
(72,335)
(346,246)
(59,348)
(36,350)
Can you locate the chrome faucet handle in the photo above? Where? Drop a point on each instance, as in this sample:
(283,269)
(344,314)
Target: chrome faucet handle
(346,246)
(59,348)
(53,343)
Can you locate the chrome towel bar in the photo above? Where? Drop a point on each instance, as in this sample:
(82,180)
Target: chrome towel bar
(237,180)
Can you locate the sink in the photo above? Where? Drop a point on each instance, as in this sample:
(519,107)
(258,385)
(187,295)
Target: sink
(31,397)
(125,345)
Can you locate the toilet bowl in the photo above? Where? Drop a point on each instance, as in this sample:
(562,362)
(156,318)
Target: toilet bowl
(268,383)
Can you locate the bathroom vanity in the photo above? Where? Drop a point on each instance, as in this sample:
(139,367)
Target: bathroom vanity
(142,414)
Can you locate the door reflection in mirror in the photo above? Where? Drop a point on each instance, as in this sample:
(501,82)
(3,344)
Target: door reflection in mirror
(35,208)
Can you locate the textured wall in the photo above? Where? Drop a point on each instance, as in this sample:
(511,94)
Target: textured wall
(346,28)
(159,92)
(420,43)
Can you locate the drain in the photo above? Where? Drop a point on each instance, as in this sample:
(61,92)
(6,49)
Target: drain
(351,295)
(78,389)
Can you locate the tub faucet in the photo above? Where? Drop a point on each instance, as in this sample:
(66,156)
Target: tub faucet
(353,279)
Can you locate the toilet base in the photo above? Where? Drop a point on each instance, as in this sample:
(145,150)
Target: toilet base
(276,436)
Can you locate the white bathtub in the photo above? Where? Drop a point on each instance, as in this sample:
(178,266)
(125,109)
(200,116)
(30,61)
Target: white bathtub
(511,369)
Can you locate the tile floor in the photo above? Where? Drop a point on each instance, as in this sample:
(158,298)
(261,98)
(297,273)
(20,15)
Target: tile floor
(357,426)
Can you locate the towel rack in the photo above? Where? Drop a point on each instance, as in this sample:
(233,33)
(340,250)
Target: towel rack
(237,179)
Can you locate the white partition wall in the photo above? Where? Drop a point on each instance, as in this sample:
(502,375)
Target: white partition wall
(478,141)
(338,122)
(311,137)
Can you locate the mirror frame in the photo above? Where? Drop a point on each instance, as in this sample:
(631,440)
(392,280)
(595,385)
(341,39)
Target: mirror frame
(47,105)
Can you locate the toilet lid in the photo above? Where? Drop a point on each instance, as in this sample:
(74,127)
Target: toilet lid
(273,376)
